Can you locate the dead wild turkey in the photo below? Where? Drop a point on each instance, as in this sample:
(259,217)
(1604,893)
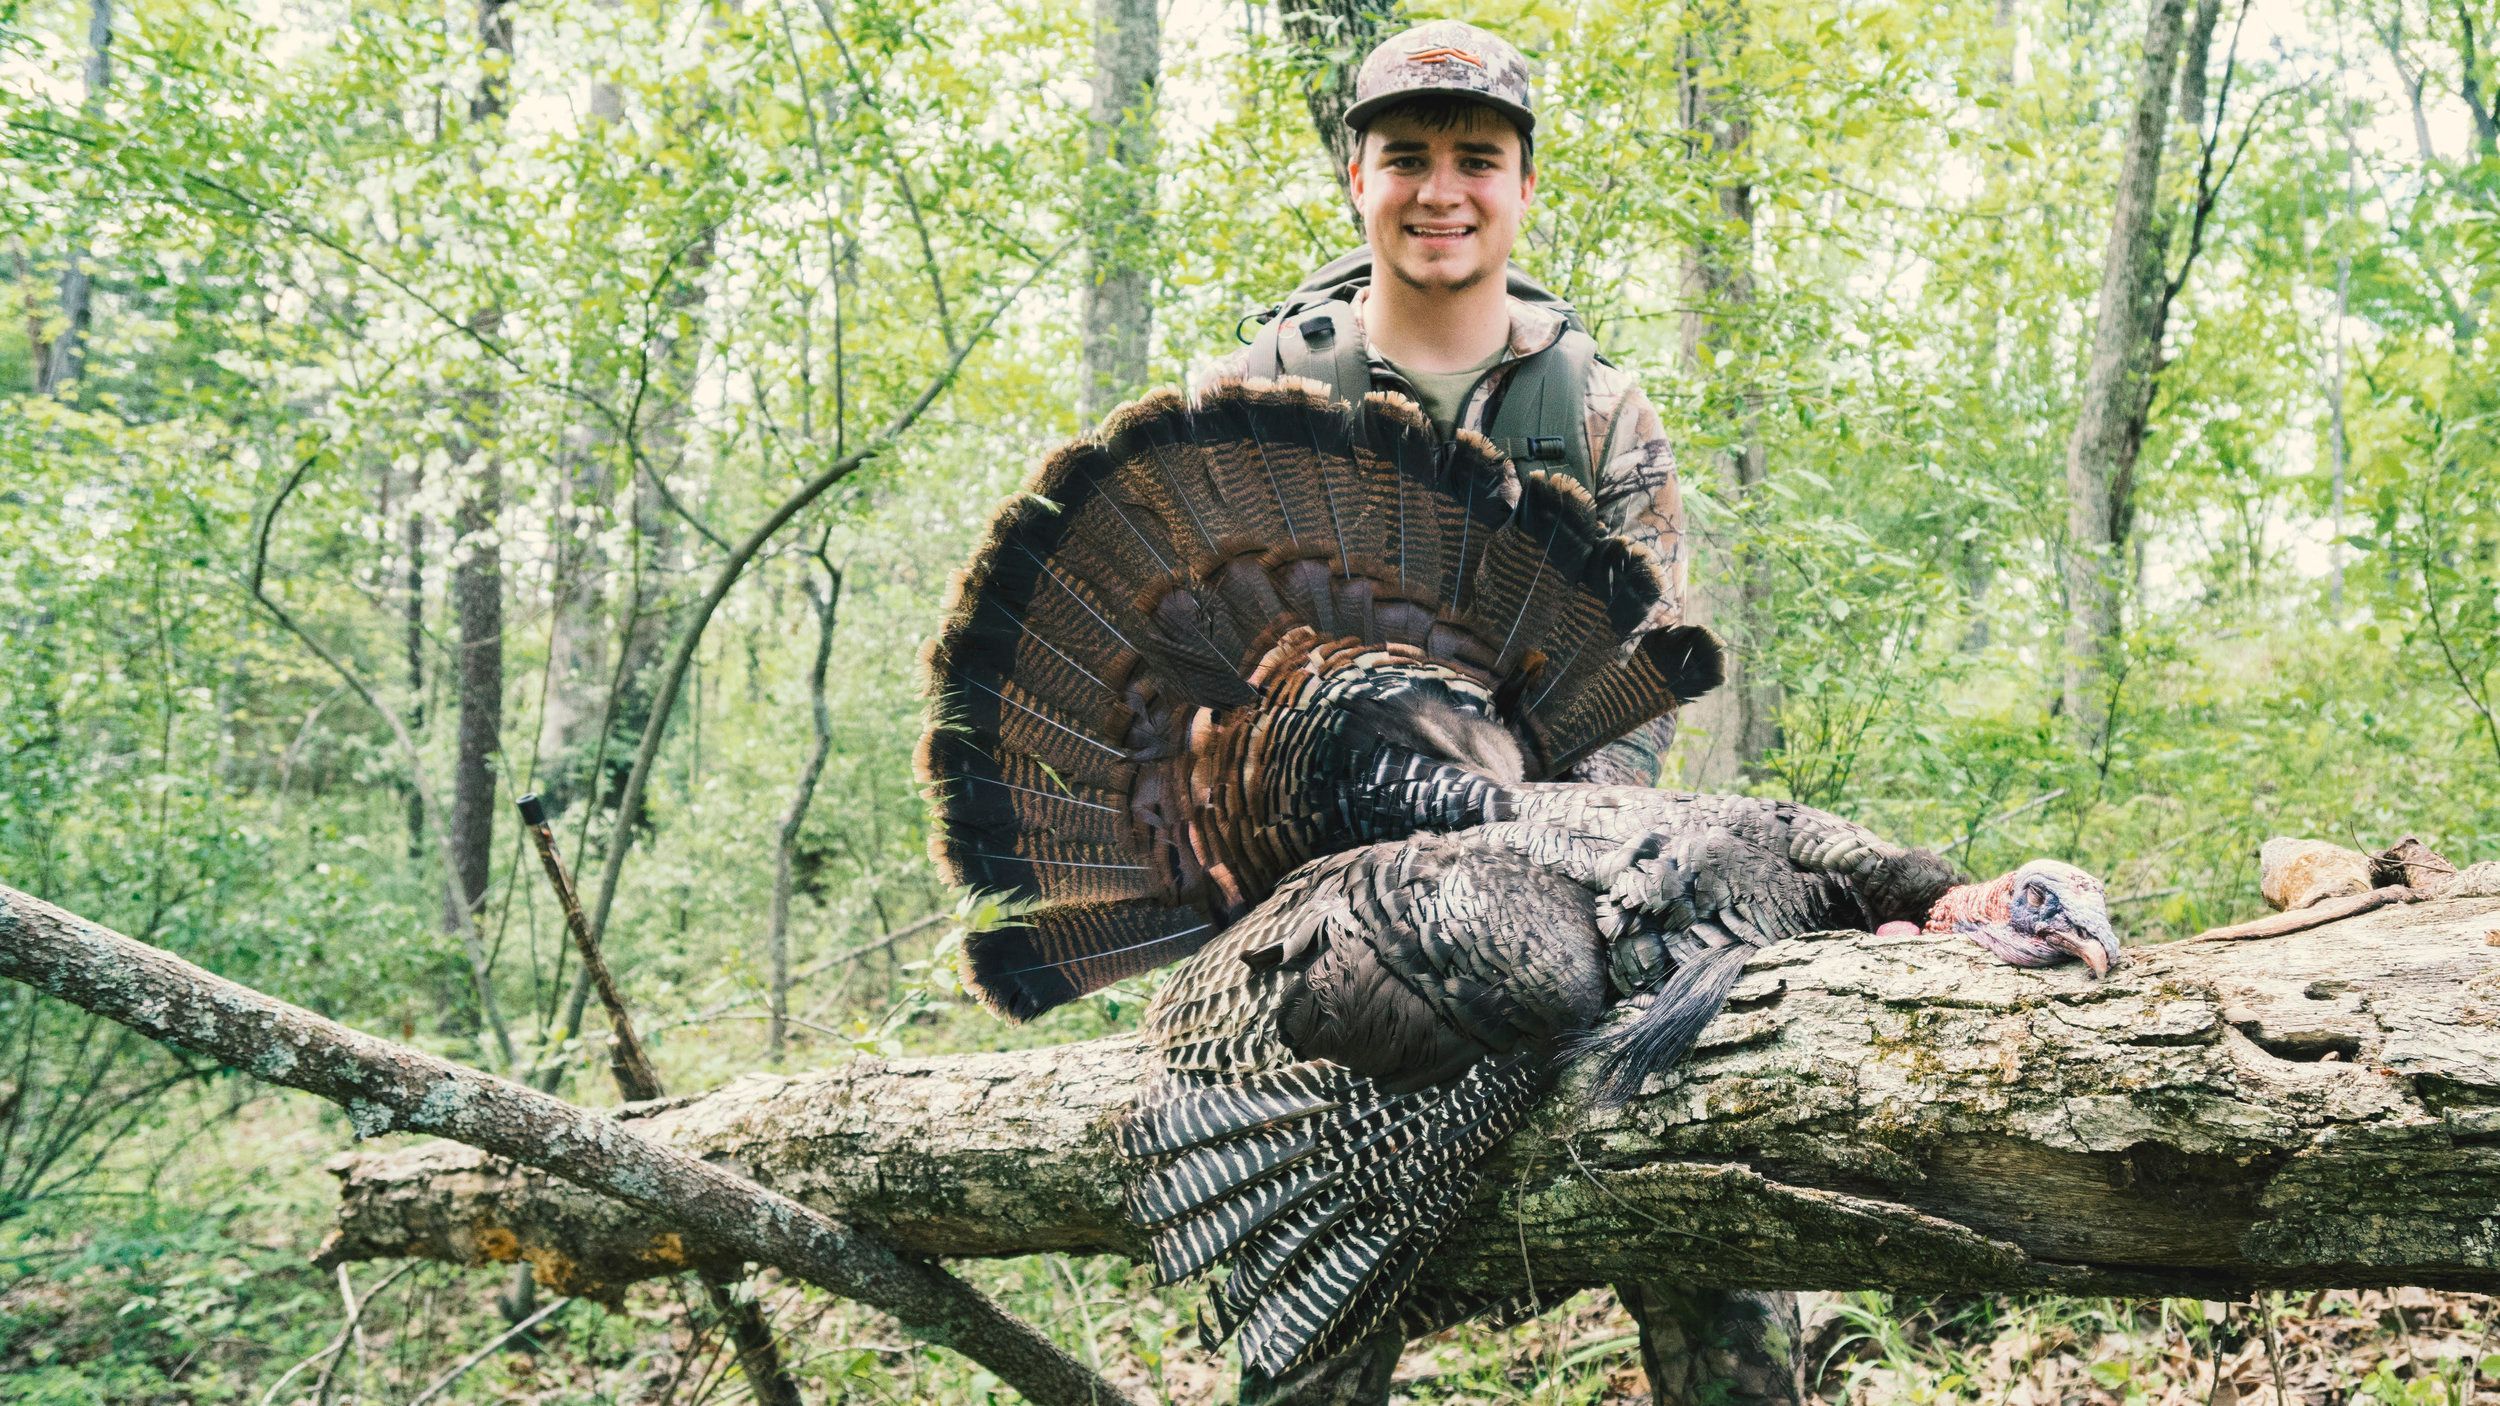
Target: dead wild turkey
(1287,666)
(1338,1063)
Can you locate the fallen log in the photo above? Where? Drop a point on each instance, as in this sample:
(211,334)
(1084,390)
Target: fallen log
(2320,1109)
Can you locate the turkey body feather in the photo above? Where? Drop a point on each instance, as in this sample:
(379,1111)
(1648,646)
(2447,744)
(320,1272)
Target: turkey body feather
(1337,1065)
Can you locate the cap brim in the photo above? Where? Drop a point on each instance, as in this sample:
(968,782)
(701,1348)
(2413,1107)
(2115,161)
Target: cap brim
(1365,111)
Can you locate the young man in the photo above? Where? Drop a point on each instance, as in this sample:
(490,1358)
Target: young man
(1443,171)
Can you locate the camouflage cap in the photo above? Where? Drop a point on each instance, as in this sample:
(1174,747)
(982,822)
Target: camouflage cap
(1444,56)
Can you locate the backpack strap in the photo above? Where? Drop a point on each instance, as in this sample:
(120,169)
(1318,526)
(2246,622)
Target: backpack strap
(1541,416)
(1317,343)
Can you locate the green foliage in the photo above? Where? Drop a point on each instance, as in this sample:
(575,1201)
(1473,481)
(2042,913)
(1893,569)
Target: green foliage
(705,250)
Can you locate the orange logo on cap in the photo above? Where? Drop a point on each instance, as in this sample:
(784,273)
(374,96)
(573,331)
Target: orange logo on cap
(1447,55)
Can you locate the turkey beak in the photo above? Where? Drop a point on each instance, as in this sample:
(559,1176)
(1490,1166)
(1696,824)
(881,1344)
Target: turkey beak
(2086,935)
(2093,957)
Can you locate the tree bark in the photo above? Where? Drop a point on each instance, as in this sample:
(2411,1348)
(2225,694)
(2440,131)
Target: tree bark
(477,603)
(1739,720)
(412,646)
(2320,1109)
(1332,38)
(2339,440)
(1691,1345)
(477,606)
(58,363)
(577,631)
(1119,289)
(386,1087)
(2126,356)
(579,687)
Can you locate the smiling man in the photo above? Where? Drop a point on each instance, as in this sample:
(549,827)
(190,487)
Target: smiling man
(1443,172)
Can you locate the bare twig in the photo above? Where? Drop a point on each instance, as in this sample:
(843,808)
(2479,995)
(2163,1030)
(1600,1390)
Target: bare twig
(2314,916)
(638,1081)
(462,1368)
(354,1333)
(347,1331)
(2002,816)
(2274,1354)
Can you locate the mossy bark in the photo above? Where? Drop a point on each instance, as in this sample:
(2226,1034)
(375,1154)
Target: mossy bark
(2310,1110)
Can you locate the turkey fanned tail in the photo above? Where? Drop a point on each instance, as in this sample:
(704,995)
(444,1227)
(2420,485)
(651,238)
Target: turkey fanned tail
(1220,638)
(1322,1217)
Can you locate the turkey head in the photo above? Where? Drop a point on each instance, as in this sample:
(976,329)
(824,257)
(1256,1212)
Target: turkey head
(2039,915)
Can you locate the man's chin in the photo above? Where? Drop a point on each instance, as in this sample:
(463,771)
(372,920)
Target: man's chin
(1439,275)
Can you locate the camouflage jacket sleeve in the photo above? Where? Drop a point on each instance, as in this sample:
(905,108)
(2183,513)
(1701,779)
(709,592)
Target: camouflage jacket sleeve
(1638,497)
(1637,493)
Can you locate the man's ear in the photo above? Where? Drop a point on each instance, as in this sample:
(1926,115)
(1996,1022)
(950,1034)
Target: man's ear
(1527,185)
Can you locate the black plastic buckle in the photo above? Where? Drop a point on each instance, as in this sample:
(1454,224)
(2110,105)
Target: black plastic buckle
(1545,449)
(1318,333)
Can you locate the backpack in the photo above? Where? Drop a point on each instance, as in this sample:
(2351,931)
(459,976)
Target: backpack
(1538,416)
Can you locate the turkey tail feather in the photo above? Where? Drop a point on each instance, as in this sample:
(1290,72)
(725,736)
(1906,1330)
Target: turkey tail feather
(1053,955)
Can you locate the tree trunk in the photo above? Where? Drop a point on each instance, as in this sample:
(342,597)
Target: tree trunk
(477,604)
(1693,1352)
(477,598)
(1332,38)
(577,634)
(578,662)
(2339,442)
(412,644)
(1977,567)
(59,359)
(1120,199)
(2319,1109)
(1739,720)
(2126,357)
